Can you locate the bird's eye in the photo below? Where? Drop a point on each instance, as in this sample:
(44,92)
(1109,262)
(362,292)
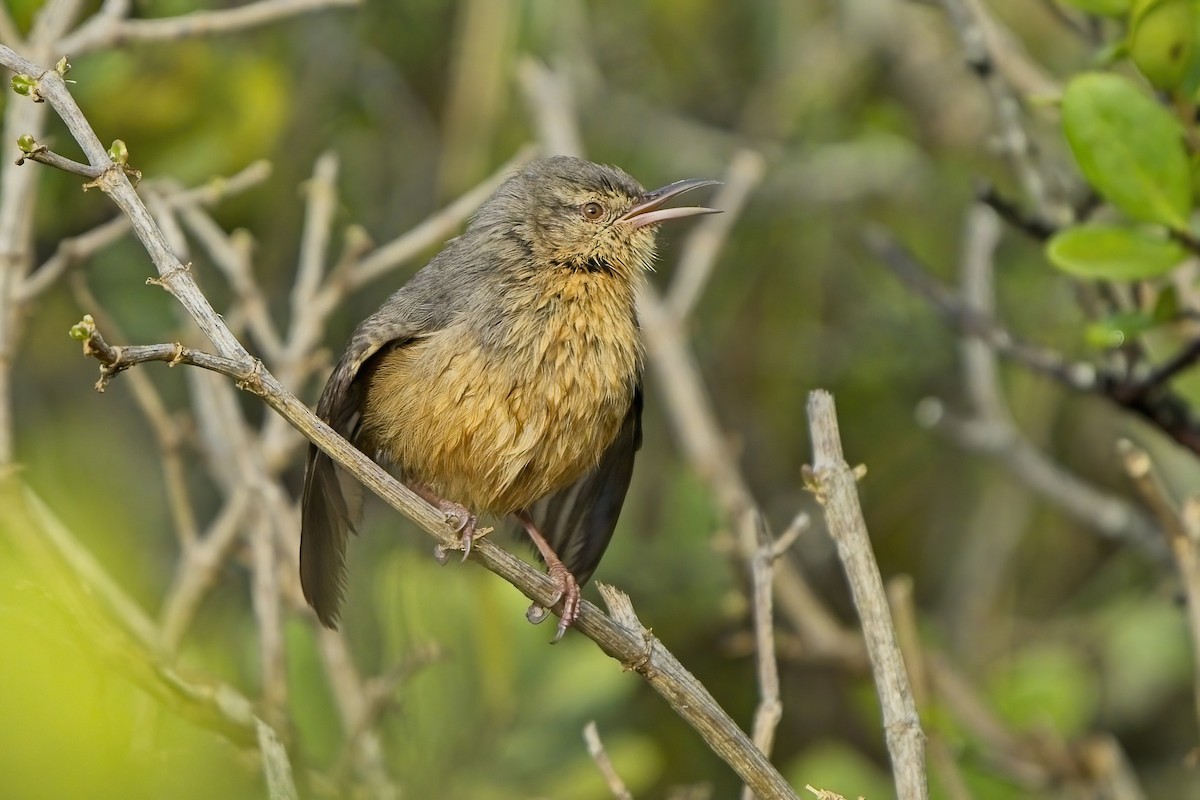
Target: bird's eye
(592,211)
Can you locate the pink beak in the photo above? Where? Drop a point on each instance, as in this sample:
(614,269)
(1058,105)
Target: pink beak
(649,210)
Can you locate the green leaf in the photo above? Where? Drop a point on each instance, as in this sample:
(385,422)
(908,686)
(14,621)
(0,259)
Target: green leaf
(1103,8)
(1129,147)
(1114,253)
(1118,329)
(1162,42)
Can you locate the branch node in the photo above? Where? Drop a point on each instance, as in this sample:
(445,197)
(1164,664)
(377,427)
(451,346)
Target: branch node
(163,281)
(252,380)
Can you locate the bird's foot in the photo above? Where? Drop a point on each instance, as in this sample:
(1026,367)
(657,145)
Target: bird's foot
(464,524)
(566,590)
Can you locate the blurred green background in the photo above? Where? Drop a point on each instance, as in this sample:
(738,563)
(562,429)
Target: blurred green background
(864,113)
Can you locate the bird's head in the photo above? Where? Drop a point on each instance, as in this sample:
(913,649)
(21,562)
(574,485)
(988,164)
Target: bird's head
(573,214)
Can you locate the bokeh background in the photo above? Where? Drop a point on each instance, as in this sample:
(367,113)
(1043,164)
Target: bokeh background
(864,113)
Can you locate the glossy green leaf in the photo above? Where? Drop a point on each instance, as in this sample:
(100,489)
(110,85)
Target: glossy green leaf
(1114,253)
(1129,147)
(1104,8)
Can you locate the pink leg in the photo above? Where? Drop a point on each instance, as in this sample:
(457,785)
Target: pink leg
(464,523)
(567,588)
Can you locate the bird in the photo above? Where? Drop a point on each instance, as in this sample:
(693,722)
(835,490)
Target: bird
(504,378)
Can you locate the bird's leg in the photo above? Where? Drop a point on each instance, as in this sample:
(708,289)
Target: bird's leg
(461,517)
(566,587)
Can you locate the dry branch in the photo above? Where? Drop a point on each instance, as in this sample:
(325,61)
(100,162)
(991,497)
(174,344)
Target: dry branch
(833,482)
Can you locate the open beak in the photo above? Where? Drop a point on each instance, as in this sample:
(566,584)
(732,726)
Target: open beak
(650,211)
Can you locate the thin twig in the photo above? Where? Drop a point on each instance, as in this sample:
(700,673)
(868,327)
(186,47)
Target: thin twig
(198,569)
(52,159)
(1033,226)
(321,196)
(434,229)
(769,711)
(694,421)
(612,779)
(833,482)
(268,615)
(904,615)
(552,106)
(707,238)
(277,769)
(363,743)
(234,264)
(980,41)
(1081,376)
(76,249)
(1163,408)
(114,31)
(1183,534)
(167,431)
(1187,356)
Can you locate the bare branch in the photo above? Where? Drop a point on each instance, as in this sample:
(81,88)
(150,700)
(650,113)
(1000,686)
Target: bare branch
(1183,534)
(762,577)
(277,769)
(76,249)
(268,613)
(113,30)
(691,415)
(167,433)
(234,263)
(1164,409)
(595,747)
(981,45)
(174,276)
(198,569)
(662,671)
(321,193)
(363,744)
(1080,376)
(41,155)
(707,238)
(833,482)
(904,615)
(433,230)
(551,104)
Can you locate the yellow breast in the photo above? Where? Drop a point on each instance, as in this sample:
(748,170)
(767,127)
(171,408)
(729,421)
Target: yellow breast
(498,426)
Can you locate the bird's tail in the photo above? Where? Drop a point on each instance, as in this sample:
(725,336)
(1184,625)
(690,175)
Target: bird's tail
(329,513)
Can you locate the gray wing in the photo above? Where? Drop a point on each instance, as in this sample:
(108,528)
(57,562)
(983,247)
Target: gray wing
(578,521)
(331,502)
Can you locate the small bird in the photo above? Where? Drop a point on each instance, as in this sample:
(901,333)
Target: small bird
(504,378)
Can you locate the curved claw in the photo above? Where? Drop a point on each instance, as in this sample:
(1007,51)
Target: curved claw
(465,527)
(567,592)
